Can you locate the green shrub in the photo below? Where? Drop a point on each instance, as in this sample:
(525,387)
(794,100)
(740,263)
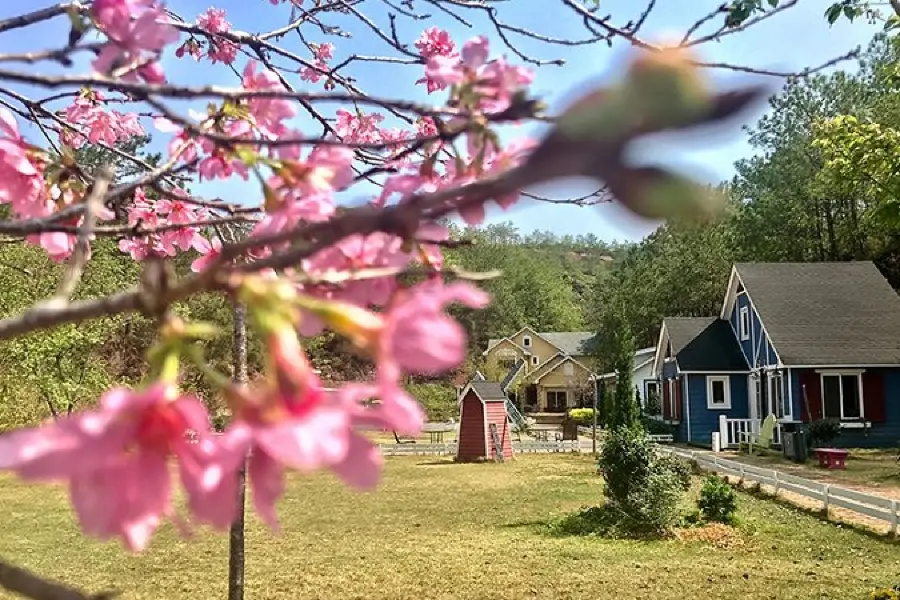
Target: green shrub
(595,520)
(439,401)
(642,488)
(653,405)
(582,416)
(884,594)
(679,468)
(657,427)
(718,500)
(823,431)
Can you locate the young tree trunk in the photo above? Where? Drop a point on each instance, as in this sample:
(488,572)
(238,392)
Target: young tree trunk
(236,534)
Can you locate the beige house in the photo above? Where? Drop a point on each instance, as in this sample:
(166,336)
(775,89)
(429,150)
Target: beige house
(548,372)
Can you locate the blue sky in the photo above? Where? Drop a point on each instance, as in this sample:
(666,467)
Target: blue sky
(797,38)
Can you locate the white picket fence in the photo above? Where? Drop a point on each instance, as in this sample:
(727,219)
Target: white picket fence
(523,447)
(870,505)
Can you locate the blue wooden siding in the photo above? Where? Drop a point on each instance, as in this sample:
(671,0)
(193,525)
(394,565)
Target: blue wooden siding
(758,349)
(879,435)
(704,421)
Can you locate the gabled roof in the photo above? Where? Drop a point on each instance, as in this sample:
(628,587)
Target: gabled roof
(563,359)
(577,343)
(824,314)
(705,344)
(488,391)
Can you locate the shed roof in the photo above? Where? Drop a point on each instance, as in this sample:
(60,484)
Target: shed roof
(488,391)
(830,313)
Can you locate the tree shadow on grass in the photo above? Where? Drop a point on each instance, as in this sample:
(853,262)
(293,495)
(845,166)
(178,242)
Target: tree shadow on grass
(438,463)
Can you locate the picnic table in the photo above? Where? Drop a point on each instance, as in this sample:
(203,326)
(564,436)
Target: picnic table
(543,433)
(831,458)
(436,431)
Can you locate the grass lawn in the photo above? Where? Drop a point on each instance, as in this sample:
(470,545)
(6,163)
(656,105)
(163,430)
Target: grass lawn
(437,530)
(877,470)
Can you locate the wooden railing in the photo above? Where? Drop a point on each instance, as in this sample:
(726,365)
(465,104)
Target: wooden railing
(732,431)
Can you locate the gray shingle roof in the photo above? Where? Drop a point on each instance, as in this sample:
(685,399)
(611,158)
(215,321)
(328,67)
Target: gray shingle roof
(575,343)
(705,344)
(489,391)
(843,313)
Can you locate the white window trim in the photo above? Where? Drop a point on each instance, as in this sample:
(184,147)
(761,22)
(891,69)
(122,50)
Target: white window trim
(535,360)
(858,373)
(526,341)
(784,381)
(726,382)
(744,323)
(647,384)
(565,394)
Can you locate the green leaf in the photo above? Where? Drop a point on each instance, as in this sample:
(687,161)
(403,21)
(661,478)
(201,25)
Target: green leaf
(833,13)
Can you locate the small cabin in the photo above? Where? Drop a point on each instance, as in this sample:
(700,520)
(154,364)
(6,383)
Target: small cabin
(483,405)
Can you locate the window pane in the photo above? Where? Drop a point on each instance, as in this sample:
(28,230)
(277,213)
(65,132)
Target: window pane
(718,392)
(778,396)
(831,394)
(850,384)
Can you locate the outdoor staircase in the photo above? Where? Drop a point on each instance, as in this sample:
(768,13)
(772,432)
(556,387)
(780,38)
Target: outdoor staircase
(516,418)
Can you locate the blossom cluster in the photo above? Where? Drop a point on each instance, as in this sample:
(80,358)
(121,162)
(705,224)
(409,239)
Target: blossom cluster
(115,457)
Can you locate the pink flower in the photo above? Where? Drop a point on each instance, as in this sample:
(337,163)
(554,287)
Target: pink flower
(115,459)
(21,174)
(293,423)
(210,251)
(268,114)
(131,32)
(358,128)
(220,49)
(435,42)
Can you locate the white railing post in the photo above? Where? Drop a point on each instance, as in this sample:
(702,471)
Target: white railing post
(894,508)
(825,503)
(723,431)
(776,482)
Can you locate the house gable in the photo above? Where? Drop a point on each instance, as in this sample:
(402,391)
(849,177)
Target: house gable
(822,314)
(533,343)
(746,324)
(557,375)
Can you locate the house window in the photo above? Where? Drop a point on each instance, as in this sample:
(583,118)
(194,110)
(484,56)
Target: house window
(652,397)
(745,323)
(718,392)
(556,400)
(506,363)
(842,396)
(534,361)
(777,396)
(526,341)
(568,369)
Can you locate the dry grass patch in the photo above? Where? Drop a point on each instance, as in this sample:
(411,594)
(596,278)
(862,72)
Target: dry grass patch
(443,531)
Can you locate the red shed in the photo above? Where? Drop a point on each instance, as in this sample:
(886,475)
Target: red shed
(483,404)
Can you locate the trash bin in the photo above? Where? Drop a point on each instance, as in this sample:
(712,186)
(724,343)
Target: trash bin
(570,429)
(794,445)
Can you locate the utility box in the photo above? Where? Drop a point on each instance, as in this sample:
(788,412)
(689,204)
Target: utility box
(570,430)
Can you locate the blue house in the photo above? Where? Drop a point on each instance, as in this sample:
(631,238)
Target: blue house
(801,341)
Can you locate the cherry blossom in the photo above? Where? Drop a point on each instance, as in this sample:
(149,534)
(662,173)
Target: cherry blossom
(132,33)
(115,459)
